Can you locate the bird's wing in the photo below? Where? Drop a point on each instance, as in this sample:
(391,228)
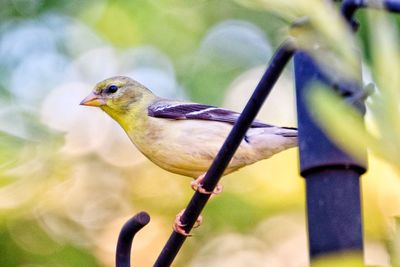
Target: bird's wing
(184,111)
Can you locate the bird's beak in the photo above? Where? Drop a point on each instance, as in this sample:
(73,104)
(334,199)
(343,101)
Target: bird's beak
(93,100)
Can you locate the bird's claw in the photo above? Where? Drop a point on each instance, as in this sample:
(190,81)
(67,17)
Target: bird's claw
(197,185)
(178,225)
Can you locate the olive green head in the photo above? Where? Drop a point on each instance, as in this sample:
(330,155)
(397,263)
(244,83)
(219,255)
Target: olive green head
(118,94)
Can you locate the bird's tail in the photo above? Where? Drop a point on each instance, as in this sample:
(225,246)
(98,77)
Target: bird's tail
(286,131)
(271,140)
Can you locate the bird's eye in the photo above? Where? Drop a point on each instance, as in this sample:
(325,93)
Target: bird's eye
(112,89)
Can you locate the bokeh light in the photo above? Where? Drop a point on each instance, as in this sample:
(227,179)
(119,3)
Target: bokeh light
(70,177)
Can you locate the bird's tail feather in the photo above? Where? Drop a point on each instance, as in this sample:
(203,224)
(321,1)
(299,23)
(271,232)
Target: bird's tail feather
(287,132)
(271,140)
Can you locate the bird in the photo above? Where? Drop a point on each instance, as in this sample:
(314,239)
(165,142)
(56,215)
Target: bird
(184,137)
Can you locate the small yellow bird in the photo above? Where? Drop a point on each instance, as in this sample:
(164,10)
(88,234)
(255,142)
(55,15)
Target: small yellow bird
(183,137)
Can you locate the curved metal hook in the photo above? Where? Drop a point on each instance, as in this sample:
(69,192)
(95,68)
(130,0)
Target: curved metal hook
(125,238)
(349,8)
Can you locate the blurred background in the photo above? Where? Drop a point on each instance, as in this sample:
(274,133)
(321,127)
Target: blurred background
(69,176)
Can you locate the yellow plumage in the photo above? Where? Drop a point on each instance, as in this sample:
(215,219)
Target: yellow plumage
(178,136)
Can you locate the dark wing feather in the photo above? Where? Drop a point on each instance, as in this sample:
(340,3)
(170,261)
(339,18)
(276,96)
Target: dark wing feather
(197,112)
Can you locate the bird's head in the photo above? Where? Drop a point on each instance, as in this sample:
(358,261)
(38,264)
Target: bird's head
(117,95)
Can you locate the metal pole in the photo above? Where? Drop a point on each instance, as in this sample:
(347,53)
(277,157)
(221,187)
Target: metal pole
(332,177)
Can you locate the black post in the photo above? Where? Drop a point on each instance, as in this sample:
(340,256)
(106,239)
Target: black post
(332,177)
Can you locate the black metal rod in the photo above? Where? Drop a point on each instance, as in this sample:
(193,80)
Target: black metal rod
(125,238)
(349,8)
(334,211)
(332,176)
(198,201)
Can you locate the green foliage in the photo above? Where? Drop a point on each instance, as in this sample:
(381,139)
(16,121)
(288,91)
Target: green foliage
(37,248)
(345,125)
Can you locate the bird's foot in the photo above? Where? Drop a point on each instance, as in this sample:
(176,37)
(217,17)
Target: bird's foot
(197,185)
(178,225)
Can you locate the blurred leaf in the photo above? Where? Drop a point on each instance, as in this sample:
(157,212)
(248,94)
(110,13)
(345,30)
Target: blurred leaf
(324,34)
(60,255)
(386,68)
(340,121)
(339,259)
(345,125)
(394,244)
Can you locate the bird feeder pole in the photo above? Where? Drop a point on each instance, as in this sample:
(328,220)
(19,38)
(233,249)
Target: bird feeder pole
(332,177)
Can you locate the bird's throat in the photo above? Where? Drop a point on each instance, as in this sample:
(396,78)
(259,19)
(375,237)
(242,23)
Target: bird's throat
(129,121)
